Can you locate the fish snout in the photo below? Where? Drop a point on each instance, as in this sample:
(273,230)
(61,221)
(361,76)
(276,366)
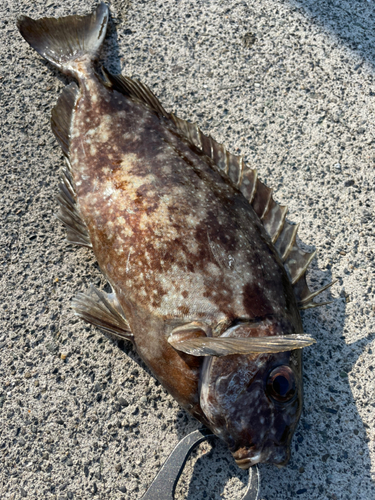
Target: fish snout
(274,454)
(245,463)
(246,458)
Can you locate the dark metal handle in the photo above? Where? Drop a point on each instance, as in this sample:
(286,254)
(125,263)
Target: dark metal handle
(164,485)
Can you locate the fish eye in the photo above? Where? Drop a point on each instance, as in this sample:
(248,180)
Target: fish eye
(280,384)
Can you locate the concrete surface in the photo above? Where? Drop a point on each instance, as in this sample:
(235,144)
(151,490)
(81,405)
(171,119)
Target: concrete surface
(289,85)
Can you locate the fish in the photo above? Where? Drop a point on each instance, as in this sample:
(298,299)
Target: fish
(206,276)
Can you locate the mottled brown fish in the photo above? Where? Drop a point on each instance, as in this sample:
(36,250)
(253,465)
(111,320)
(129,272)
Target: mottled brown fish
(207,279)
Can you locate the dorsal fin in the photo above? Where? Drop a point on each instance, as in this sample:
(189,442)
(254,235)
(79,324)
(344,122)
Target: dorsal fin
(61,116)
(286,240)
(305,296)
(135,90)
(274,219)
(282,233)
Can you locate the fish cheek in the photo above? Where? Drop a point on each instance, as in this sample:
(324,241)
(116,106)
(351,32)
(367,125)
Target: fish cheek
(233,398)
(283,426)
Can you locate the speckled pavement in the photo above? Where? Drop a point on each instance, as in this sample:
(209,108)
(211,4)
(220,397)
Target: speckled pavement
(290,85)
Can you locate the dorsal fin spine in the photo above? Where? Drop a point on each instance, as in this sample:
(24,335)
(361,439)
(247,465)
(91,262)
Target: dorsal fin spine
(242,168)
(308,258)
(308,300)
(267,205)
(211,146)
(291,243)
(198,142)
(226,170)
(254,186)
(284,211)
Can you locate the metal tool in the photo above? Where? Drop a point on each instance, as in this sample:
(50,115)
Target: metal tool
(164,485)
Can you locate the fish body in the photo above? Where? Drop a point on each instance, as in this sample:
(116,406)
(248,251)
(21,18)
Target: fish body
(207,280)
(173,237)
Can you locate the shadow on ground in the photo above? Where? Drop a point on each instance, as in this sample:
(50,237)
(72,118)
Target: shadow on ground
(351,23)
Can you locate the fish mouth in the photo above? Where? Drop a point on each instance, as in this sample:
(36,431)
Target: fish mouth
(245,463)
(277,457)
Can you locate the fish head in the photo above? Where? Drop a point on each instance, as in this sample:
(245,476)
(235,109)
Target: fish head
(253,402)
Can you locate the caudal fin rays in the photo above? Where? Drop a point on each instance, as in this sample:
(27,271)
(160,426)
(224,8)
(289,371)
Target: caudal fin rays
(66,39)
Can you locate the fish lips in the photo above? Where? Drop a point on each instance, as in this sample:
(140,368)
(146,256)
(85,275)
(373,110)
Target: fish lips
(276,454)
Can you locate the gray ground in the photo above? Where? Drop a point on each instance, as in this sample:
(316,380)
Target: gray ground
(297,99)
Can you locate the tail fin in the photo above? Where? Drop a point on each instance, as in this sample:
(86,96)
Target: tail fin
(62,41)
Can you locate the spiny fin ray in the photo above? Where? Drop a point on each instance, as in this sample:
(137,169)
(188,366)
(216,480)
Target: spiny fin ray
(135,90)
(261,199)
(77,232)
(305,296)
(297,263)
(274,219)
(286,240)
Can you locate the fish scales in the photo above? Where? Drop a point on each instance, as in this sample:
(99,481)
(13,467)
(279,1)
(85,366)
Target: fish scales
(198,285)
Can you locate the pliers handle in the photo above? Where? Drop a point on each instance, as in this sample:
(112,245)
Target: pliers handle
(164,485)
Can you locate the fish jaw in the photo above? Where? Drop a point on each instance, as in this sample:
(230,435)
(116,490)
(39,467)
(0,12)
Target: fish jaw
(274,454)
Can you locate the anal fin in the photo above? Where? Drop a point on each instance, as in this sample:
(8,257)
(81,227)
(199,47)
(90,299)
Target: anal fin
(61,117)
(104,311)
(77,232)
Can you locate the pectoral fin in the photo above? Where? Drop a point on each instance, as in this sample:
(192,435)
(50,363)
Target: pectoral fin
(104,311)
(219,346)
